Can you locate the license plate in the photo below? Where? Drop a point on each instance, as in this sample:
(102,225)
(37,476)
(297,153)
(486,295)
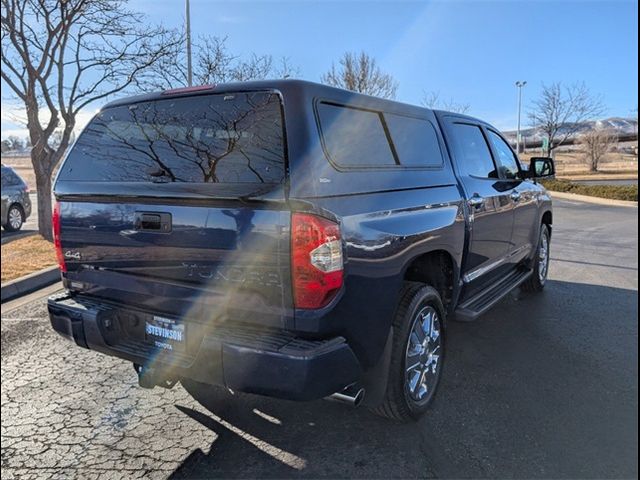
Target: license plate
(165,333)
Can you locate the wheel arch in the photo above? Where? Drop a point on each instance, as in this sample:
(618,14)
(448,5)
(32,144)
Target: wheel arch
(438,269)
(15,204)
(5,221)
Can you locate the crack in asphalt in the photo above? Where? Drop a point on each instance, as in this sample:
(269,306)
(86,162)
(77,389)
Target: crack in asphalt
(68,412)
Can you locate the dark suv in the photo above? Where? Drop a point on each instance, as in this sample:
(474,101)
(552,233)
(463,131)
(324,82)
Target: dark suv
(290,239)
(16,204)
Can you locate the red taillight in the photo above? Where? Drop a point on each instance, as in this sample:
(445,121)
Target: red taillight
(316,260)
(55,221)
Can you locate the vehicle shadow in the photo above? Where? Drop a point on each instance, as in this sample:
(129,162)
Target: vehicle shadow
(266,438)
(535,388)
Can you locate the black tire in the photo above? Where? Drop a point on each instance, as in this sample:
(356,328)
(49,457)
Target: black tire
(538,279)
(14,209)
(398,403)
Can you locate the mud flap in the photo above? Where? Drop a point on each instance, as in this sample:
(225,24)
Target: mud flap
(375,379)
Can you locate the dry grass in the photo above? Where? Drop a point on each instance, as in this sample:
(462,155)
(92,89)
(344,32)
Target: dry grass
(573,163)
(614,192)
(26,255)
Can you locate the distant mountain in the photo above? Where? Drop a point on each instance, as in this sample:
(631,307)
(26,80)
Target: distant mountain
(624,128)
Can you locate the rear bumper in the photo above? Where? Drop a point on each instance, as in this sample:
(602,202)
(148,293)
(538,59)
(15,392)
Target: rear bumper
(267,362)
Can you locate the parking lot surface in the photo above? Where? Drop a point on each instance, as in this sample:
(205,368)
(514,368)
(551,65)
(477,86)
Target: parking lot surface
(542,386)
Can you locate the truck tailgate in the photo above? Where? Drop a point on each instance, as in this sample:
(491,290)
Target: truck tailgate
(228,262)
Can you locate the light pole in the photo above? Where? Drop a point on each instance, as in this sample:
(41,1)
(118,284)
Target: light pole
(188,38)
(520,85)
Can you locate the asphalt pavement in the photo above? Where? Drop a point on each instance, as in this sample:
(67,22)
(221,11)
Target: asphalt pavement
(543,386)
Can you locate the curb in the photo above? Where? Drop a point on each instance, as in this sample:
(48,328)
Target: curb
(595,200)
(29,283)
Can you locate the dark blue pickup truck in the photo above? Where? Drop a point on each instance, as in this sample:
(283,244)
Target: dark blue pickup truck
(290,239)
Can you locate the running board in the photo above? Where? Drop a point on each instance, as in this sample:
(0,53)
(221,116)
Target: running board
(471,309)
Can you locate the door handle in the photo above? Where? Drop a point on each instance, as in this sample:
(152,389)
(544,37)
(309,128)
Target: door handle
(515,196)
(476,201)
(152,222)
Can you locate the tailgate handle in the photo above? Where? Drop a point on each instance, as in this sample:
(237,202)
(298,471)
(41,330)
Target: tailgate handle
(153,222)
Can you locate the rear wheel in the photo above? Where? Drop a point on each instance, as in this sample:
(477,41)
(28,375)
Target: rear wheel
(538,279)
(417,354)
(15,218)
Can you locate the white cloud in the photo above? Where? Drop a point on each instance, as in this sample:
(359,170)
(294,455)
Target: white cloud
(14,132)
(230,19)
(14,120)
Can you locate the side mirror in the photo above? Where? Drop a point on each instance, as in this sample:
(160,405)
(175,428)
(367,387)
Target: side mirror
(541,167)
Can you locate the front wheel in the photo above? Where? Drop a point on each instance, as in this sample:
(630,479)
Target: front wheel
(15,218)
(417,353)
(538,278)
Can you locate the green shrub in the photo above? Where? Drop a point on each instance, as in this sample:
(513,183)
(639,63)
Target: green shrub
(613,192)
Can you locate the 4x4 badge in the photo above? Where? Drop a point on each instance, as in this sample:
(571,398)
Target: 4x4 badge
(71,254)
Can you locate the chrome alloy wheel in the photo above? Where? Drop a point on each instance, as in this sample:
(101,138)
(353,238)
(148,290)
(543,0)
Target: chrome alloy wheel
(422,358)
(543,257)
(15,218)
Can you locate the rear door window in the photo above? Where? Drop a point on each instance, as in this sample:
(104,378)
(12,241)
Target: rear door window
(415,141)
(230,138)
(472,151)
(354,137)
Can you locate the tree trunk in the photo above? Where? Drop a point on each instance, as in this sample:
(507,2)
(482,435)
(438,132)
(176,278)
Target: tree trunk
(43,170)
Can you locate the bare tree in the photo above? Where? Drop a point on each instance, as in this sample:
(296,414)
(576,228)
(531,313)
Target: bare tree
(285,69)
(13,143)
(58,56)
(56,138)
(360,73)
(213,63)
(433,100)
(595,144)
(560,111)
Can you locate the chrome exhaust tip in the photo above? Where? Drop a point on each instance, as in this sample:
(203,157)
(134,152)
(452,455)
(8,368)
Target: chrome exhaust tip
(353,395)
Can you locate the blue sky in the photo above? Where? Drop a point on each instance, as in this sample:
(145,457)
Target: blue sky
(470,51)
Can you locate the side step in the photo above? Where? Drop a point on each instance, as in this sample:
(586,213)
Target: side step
(472,308)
